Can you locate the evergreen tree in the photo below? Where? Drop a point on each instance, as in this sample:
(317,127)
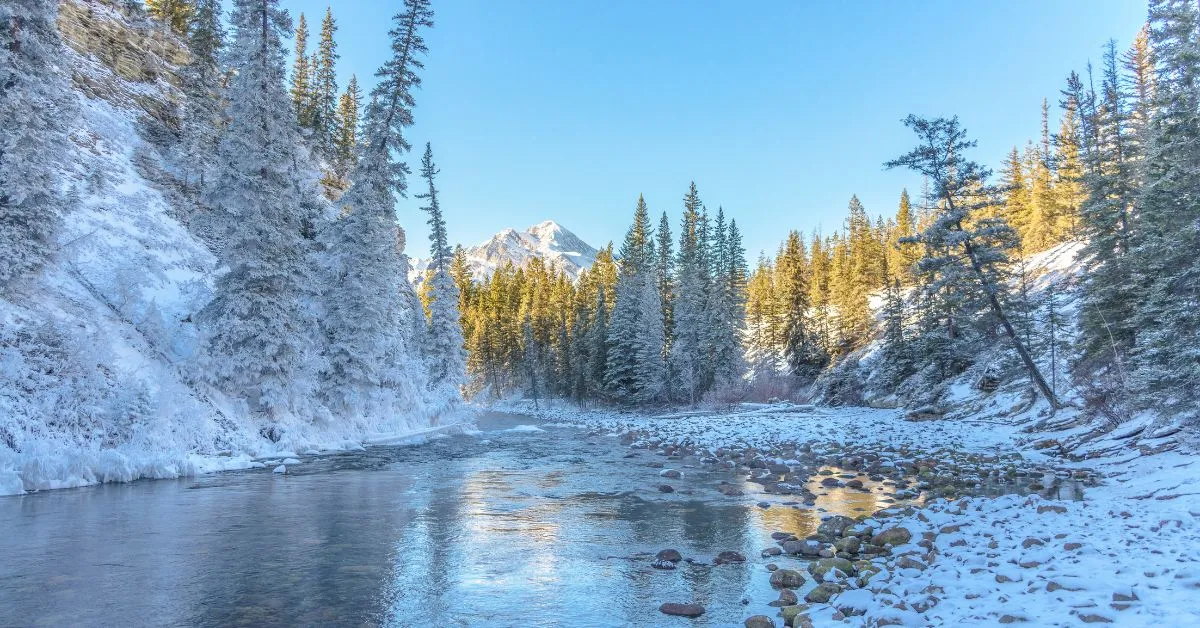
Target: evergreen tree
(325,90)
(201,118)
(665,271)
(625,329)
(447,357)
(258,346)
(688,362)
(301,90)
(370,310)
(1168,315)
(347,136)
(36,104)
(961,187)
(176,14)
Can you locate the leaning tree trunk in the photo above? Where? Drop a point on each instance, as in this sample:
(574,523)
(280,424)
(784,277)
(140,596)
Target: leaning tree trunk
(994,301)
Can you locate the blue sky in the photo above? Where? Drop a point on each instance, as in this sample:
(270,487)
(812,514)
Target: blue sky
(568,109)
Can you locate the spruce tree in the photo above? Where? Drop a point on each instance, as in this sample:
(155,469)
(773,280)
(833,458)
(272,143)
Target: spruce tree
(447,357)
(624,331)
(1167,313)
(325,90)
(258,345)
(301,90)
(36,103)
(370,304)
(201,117)
(347,135)
(961,188)
(688,363)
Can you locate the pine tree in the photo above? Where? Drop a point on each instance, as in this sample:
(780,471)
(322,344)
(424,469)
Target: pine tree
(301,90)
(258,345)
(905,252)
(665,271)
(802,349)
(201,118)
(625,329)
(325,90)
(372,365)
(176,14)
(1168,315)
(35,106)
(960,186)
(347,135)
(447,357)
(688,362)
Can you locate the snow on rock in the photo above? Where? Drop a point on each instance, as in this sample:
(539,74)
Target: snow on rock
(547,240)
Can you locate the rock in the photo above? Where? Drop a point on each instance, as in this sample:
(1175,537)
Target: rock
(822,593)
(760,621)
(826,552)
(669,555)
(834,526)
(764,505)
(1031,541)
(729,490)
(831,482)
(1070,547)
(663,564)
(670,473)
(787,579)
(911,563)
(787,597)
(848,544)
(681,610)
(1093,618)
(1011,619)
(789,613)
(782,536)
(1127,596)
(666,488)
(279,469)
(823,566)
(892,536)
(1052,508)
(727,557)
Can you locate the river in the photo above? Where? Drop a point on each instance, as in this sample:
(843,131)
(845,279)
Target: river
(517,526)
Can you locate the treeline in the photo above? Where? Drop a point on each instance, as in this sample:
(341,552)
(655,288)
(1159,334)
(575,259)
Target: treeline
(946,275)
(659,320)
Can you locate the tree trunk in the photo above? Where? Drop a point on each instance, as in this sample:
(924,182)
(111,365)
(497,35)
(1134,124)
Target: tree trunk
(994,301)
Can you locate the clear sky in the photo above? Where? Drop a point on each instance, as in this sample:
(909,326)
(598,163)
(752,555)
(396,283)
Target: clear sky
(568,109)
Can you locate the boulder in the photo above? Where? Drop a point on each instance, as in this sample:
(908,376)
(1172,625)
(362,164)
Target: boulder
(670,555)
(681,610)
(787,579)
(822,593)
(892,536)
(727,557)
(760,621)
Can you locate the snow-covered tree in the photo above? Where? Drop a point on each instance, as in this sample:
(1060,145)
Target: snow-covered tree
(446,354)
(257,329)
(201,116)
(634,371)
(688,362)
(35,106)
(954,239)
(373,361)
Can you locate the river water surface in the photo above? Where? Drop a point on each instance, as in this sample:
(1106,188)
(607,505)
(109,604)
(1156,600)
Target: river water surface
(518,526)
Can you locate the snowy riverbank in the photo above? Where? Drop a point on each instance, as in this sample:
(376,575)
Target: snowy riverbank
(1126,554)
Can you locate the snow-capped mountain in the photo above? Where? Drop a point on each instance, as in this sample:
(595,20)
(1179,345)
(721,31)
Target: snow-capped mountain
(547,240)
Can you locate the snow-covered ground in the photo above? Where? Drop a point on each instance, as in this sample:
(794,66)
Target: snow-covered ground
(1128,553)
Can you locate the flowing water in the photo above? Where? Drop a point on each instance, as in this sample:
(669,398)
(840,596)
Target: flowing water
(514,527)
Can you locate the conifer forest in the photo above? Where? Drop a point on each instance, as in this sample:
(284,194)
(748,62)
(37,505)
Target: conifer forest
(238,258)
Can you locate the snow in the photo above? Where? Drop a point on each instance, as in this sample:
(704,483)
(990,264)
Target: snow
(1128,553)
(105,336)
(547,240)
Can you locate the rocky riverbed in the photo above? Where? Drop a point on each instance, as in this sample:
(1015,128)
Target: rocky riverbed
(958,525)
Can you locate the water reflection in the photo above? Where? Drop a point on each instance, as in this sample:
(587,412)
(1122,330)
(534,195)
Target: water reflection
(514,529)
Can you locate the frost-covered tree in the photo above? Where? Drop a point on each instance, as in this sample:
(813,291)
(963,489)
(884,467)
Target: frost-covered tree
(373,361)
(688,362)
(634,371)
(1167,353)
(961,189)
(446,355)
(36,104)
(301,89)
(257,329)
(346,142)
(325,90)
(201,116)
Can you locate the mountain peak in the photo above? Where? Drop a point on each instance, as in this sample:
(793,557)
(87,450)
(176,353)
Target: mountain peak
(547,240)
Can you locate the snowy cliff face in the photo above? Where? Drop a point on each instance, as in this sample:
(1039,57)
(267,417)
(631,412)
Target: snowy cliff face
(98,353)
(547,240)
